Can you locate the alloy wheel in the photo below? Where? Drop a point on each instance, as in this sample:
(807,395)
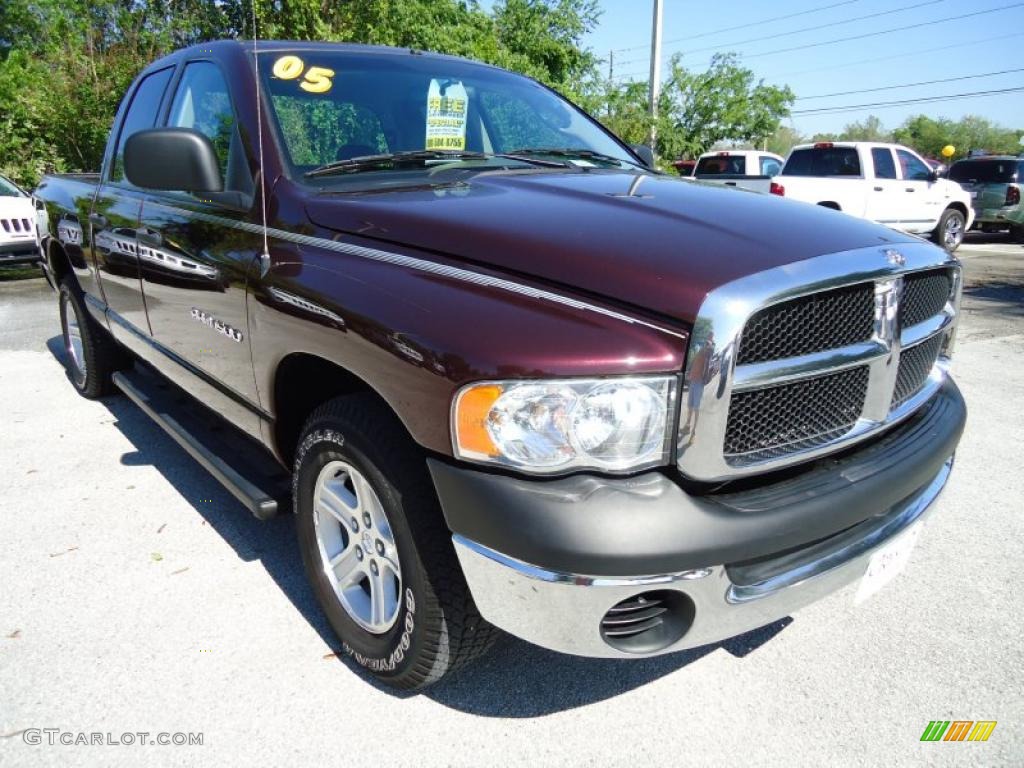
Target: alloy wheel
(357,547)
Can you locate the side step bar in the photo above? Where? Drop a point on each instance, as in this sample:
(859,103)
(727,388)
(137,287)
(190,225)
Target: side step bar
(159,408)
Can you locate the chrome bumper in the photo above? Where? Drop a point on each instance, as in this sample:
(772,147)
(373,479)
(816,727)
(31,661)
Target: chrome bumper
(563,611)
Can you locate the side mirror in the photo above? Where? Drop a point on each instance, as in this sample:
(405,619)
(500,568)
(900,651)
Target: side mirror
(645,153)
(172,159)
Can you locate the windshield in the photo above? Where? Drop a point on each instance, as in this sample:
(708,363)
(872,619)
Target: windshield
(333,106)
(984,171)
(8,189)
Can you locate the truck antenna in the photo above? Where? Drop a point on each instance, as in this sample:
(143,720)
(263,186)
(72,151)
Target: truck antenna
(265,256)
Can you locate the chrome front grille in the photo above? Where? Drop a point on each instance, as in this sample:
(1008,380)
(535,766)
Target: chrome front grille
(809,324)
(802,360)
(773,421)
(916,364)
(924,296)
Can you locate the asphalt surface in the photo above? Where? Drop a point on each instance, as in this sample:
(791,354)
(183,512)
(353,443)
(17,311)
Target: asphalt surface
(138,596)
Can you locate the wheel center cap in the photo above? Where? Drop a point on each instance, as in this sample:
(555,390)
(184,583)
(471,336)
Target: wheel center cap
(367,543)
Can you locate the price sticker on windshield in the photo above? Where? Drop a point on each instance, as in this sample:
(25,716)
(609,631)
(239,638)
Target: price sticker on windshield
(313,79)
(447,108)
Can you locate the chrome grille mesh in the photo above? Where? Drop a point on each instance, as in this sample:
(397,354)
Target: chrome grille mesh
(800,414)
(924,296)
(809,324)
(916,364)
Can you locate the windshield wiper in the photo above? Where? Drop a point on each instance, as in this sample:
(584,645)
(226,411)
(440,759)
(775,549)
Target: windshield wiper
(390,160)
(571,153)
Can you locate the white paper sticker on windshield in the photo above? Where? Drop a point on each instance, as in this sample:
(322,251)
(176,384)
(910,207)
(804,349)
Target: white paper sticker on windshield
(446,115)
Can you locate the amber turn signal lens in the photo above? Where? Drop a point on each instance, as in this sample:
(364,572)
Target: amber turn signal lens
(471,412)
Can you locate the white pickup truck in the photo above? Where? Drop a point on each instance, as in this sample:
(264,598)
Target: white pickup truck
(887,183)
(743,168)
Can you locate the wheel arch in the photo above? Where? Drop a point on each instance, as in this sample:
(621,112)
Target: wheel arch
(303,382)
(960,207)
(59,262)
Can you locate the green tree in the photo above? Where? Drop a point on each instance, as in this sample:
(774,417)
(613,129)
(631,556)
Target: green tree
(871,129)
(65,64)
(784,139)
(699,109)
(929,135)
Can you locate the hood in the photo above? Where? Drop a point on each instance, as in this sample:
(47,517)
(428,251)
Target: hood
(656,243)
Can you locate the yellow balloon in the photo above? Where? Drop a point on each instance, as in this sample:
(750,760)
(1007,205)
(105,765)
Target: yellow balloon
(948,151)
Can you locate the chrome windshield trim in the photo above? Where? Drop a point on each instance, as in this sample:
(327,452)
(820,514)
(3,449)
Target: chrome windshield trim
(707,393)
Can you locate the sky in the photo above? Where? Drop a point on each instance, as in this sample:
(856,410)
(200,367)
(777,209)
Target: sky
(942,48)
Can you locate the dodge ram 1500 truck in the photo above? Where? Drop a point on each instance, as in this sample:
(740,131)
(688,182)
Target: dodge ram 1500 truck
(508,376)
(887,183)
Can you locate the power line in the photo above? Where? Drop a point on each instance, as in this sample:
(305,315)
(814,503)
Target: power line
(903,102)
(909,85)
(820,8)
(883,31)
(902,55)
(857,37)
(818,26)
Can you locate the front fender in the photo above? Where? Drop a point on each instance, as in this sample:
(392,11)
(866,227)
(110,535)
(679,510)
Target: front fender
(417,334)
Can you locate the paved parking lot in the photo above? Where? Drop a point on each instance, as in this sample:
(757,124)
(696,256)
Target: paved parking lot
(137,595)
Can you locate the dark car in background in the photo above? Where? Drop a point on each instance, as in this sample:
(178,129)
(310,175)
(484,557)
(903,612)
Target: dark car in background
(995,185)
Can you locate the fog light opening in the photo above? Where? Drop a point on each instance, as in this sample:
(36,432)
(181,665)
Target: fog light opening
(648,622)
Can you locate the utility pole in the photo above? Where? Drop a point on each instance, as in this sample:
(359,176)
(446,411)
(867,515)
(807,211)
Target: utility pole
(655,86)
(611,83)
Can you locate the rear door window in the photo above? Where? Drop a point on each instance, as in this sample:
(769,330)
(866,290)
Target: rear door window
(885,167)
(823,161)
(984,171)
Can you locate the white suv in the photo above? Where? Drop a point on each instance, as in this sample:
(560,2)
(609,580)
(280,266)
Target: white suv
(18,242)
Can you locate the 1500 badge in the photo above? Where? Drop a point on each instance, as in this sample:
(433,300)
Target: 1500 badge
(211,322)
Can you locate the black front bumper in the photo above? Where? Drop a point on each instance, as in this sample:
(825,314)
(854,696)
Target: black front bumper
(648,524)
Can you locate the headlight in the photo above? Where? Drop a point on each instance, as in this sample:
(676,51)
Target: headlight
(552,426)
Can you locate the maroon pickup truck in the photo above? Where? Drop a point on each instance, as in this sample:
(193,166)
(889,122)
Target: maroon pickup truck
(503,372)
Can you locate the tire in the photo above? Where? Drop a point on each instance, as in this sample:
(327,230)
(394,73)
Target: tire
(950,231)
(356,459)
(92,355)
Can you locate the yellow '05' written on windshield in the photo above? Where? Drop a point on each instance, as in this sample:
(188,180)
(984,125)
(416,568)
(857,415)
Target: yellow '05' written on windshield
(447,106)
(313,79)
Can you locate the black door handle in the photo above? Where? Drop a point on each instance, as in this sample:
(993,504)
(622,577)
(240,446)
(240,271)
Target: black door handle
(911,189)
(98,220)
(878,189)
